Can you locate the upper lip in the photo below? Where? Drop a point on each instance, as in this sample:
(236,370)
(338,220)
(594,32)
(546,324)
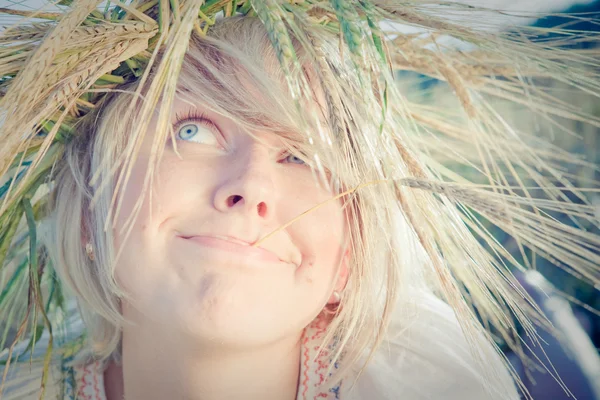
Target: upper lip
(240,241)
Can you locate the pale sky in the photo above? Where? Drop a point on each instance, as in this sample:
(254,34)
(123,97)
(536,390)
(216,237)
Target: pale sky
(529,6)
(509,5)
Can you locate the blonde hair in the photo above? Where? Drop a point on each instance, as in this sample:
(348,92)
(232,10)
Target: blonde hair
(219,69)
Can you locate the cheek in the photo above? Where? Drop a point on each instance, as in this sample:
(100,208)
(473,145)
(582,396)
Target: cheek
(320,236)
(175,186)
(128,199)
(144,242)
(128,244)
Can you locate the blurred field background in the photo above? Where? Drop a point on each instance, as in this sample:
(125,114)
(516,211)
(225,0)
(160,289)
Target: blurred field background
(577,359)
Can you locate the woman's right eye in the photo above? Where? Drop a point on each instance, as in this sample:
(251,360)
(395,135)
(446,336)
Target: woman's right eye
(196,132)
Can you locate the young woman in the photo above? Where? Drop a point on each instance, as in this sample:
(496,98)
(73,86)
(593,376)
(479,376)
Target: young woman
(261,220)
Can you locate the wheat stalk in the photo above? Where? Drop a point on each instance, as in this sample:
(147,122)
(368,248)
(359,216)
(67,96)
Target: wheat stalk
(350,24)
(98,62)
(24,33)
(31,14)
(20,92)
(270,13)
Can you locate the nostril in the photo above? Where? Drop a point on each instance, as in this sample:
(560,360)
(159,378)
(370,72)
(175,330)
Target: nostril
(262,209)
(233,200)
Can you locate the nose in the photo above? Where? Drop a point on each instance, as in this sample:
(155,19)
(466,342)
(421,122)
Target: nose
(248,185)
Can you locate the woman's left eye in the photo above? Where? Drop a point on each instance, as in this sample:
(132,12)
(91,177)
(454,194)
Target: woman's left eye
(294,160)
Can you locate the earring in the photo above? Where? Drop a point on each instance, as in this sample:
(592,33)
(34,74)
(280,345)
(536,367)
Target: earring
(332,308)
(89,250)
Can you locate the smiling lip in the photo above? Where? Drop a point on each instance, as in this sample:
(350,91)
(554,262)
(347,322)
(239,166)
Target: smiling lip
(235,246)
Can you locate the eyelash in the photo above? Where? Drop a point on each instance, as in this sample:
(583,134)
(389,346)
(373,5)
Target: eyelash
(194,116)
(200,117)
(298,155)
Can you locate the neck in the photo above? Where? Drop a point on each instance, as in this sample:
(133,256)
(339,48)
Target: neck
(153,368)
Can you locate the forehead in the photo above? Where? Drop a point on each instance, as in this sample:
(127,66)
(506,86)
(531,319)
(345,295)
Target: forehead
(253,91)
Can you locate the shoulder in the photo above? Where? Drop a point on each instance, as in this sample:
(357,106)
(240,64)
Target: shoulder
(425,355)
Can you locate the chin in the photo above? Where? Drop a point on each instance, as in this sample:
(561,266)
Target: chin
(216,314)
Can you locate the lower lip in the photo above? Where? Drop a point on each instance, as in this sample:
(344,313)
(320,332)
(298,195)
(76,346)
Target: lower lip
(247,251)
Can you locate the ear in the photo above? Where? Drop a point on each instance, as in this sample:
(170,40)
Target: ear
(86,237)
(85,225)
(342,276)
(344,271)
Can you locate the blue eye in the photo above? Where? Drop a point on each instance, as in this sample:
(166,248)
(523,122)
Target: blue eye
(188,131)
(196,132)
(295,160)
